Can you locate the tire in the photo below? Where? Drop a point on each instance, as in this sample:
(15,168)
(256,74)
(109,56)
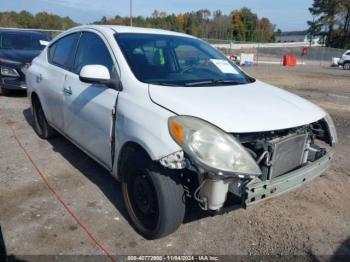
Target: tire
(41,126)
(346,66)
(155,202)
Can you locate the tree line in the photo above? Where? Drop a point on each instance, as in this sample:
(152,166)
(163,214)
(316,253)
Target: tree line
(239,25)
(331,21)
(41,20)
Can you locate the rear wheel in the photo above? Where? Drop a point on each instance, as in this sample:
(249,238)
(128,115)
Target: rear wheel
(41,126)
(153,198)
(346,66)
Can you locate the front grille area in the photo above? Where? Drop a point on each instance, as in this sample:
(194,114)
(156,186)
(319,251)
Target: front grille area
(287,154)
(278,152)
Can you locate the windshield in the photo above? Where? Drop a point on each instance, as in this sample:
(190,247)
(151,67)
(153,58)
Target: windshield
(23,41)
(176,60)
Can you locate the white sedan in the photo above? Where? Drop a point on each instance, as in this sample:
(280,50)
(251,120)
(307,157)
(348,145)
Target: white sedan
(173,119)
(345,60)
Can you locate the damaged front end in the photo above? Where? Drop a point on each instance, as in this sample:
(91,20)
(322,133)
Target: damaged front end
(287,158)
(252,166)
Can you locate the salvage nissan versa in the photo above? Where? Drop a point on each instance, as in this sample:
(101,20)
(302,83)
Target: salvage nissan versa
(173,119)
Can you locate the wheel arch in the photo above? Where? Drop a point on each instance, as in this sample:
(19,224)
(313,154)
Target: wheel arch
(130,147)
(34,96)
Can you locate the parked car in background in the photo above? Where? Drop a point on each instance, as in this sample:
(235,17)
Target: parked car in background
(345,60)
(173,118)
(17,50)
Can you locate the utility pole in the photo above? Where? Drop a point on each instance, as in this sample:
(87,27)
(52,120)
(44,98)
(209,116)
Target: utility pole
(130,12)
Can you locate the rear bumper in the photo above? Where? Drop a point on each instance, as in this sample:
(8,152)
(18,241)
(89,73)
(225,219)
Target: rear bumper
(258,192)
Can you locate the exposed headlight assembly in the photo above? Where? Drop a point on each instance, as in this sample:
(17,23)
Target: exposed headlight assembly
(211,148)
(7,71)
(331,129)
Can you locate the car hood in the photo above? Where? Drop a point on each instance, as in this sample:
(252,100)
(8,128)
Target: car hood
(254,107)
(19,56)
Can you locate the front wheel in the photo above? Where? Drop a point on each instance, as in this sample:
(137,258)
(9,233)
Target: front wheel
(153,198)
(346,66)
(41,126)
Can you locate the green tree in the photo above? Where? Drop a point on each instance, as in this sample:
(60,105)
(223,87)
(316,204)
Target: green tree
(24,19)
(241,25)
(41,20)
(265,30)
(250,21)
(238,28)
(246,26)
(332,21)
(344,17)
(6,20)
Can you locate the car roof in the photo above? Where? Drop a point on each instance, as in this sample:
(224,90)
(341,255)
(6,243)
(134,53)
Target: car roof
(112,29)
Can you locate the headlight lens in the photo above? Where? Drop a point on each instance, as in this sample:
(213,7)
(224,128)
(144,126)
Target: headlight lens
(210,147)
(332,130)
(7,71)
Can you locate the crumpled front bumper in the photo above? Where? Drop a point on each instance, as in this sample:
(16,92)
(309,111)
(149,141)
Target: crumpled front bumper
(257,192)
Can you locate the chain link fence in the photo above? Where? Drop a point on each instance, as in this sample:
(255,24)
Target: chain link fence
(273,53)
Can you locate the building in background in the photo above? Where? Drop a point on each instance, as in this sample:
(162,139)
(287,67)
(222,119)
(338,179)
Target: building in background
(289,37)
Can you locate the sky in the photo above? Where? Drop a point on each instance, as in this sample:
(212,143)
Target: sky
(287,15)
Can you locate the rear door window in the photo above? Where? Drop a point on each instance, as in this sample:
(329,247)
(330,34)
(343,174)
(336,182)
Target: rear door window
(92,51)
(62,51)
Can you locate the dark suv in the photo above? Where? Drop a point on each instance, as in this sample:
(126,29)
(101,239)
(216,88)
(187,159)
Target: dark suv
(17,50)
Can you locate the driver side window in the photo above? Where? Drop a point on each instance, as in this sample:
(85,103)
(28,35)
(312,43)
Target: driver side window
(92,51)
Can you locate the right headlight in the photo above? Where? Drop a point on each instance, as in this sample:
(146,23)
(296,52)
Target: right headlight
(211,148)
(331,129)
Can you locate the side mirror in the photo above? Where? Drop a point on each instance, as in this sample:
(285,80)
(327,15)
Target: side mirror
(44,43)
(96,74)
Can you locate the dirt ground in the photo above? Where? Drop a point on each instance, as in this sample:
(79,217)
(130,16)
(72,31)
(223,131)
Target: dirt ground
(313,221)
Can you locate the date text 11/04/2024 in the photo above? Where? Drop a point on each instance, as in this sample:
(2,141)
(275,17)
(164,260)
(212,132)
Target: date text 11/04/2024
(173,258)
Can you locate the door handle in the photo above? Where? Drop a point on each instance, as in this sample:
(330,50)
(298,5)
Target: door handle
(67,90)
(39,78)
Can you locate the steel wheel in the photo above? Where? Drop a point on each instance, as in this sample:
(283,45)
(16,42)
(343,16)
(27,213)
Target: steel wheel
(143,200)
(153,196)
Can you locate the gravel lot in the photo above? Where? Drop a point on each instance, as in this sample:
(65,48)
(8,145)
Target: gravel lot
(312,221)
